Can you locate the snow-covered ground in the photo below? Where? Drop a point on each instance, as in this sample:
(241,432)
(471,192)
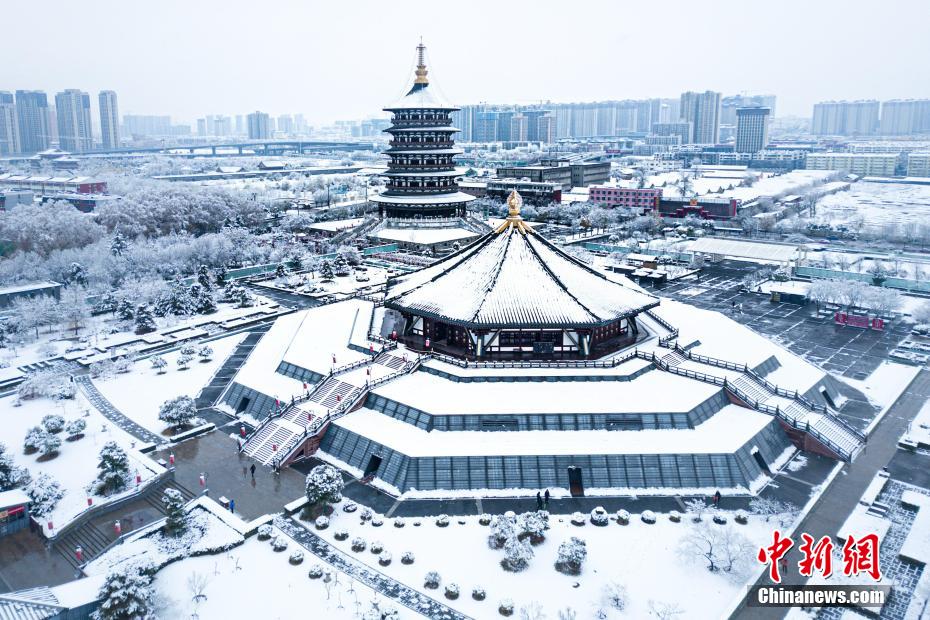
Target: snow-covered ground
(75,467)
(872,206)
(885,383)
(345,285)
(139,393)
(254,581)
(643,558)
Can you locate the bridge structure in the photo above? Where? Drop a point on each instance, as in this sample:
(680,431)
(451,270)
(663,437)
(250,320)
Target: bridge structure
(267,147)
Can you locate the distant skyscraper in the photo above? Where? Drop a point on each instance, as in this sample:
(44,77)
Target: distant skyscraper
(259,126)
(222,125)
(32,118)
(142,125)
(702,110)
(729,105)
(682,129)
(240,125)
(752,129)
(9,129)
(845,118)
(74,126)
(286,124)
(905,117)
(109,119)
(201,127)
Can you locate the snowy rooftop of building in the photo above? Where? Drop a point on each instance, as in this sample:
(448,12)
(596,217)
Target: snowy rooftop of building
(777,252)
(652,392)
(14,497)
(424,236)
(29,286)
(723,433)
(513,277)
(337,225)
(452,197)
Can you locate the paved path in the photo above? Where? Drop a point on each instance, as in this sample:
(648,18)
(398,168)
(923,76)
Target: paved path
(838,501)
(224,375)
(381,583)
(112,413)
(227,474)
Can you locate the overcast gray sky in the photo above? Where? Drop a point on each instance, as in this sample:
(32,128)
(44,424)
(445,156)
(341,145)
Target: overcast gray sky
(346,59)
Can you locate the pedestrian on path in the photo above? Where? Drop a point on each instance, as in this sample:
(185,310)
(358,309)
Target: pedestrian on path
(717,499)
(546,502)
(252,469)
(232,505)
(539,501)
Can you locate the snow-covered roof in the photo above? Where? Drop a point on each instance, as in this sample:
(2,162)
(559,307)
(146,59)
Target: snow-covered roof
(513,277)
(424,236)
(14,497)
(426,199)
(421,97)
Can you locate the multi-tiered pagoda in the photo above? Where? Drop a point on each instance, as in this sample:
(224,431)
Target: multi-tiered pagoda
(421,173)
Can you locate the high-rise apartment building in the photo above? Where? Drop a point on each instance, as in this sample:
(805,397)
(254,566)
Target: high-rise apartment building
(240,125)
(904,117)
(286,124)
(143,125)
(32,118)
(682,129)
(259,124)
(752,129)
(201,127)
(75,132)
(9,129)
(845,118)
(702,110)
(729,105)
(222,125)
(109,119)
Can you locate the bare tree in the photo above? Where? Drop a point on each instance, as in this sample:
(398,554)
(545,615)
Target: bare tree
(665,611)
(196,585)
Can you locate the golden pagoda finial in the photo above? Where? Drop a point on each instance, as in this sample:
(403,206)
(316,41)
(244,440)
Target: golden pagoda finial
(421,64)
(514,219)
(514,202)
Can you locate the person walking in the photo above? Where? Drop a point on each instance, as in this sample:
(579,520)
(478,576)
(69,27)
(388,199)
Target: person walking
(539,501)
(252,469)
(546,501)
(717,499)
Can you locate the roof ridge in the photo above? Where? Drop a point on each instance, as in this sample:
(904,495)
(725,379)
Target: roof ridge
(497,273)
(556,279)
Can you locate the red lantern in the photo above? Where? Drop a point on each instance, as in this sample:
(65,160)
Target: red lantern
(394,334)
(241,430)
(334,359)
(203,480)
(274,447)
(138,478)
(79,554)
(427,343)
(117,528)
(51,525)
(305,386)
(371,348)
(338,397)
(171,458)
(90,501)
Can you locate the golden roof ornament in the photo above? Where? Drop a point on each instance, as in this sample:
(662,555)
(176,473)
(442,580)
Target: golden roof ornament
(514,220)
(421,64)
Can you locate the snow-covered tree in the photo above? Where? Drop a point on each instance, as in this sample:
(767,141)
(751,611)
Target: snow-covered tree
(696,507)
(220,275)
(350,255)
(11,475)
(205,353)
(532,526)
(125,310)
(77,274)
(176,521)
(145,320)
(176,301)
(48,444)
(517,555)
(113,468)
(503,528)
(45,493)
(159,364)
(34,438)
(53,423)
(74,429)
(118,244)
(202,300)
(178,412)
(126,594)
(665,611)
(721,548)
(203,278)
(326,270)
(572,554)
(280,271)
(614,595)
(184,361)
(324,487)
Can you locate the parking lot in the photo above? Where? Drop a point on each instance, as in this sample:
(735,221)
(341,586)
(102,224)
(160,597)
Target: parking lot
(848,351)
